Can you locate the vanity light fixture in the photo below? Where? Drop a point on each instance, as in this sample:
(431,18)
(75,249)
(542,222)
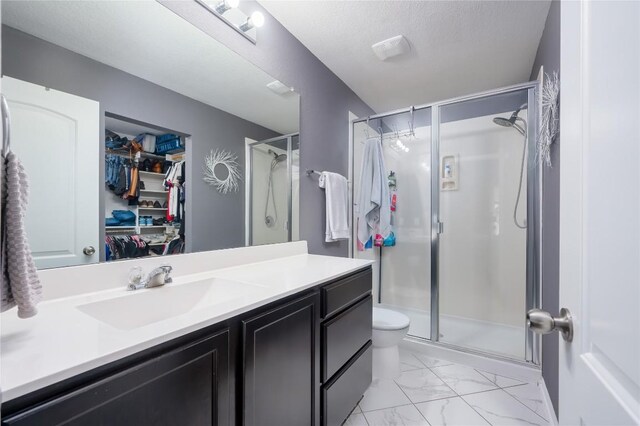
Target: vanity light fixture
(225,5)
(230,12)
(255,20)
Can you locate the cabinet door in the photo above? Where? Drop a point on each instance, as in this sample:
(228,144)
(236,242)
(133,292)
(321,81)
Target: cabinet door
(281,360)
(185,386)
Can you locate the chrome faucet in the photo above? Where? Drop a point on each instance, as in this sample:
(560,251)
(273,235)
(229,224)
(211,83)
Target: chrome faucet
(156,278)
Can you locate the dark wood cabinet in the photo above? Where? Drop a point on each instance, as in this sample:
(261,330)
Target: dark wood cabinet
(344,335)
(346,345)
(281,360)
(262,367)
(341,394)
(343,292)
(188,385)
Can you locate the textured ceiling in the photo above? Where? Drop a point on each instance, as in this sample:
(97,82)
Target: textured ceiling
(457,47)
(146,39)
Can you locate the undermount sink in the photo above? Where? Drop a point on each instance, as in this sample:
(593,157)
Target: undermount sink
(146,307)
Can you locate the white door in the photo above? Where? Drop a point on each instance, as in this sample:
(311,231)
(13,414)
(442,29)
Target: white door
(56,136)
(600,212)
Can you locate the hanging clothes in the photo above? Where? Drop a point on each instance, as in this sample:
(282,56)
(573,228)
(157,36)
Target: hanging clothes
(134,185)
(374,209)
(390,240)
(125,247)
(174,182)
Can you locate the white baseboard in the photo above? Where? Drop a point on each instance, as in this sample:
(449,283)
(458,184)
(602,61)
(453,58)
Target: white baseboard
(529,373)
(551,413)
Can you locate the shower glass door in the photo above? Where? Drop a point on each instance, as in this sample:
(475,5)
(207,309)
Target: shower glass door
(483,165)
(273,200)
(403,269)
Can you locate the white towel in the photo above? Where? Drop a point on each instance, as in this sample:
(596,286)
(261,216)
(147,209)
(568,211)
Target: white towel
(337,221)
(374,204)
(20,283)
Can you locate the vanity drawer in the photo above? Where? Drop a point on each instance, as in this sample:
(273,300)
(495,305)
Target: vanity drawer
(344,335)
(342,293)
(340,396)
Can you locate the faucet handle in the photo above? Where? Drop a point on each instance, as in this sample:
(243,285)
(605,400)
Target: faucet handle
(167,270)
(135,274)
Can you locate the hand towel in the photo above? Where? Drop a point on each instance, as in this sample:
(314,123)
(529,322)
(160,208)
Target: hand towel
(20,283)
(374,205)
(337,217)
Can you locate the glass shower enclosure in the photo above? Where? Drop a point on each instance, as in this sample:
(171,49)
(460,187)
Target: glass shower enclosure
(465,267)
(273,177)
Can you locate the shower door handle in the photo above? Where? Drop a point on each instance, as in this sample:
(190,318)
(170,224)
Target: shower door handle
(542,322)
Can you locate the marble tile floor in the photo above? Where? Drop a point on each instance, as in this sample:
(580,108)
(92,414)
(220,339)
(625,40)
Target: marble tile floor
(434,392)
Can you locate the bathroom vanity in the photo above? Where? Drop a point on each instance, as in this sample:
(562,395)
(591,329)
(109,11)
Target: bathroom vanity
(283,339)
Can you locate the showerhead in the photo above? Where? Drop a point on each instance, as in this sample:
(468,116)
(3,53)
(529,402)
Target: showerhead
(278,157)
(511,121)
(504,122)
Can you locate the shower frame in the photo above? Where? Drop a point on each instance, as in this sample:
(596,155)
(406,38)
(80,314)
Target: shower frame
(533,291)
(249,176)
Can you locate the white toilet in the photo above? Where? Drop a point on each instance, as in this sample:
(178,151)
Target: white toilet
(389,328)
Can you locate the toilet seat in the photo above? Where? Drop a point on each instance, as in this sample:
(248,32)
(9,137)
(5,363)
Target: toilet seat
(386,319)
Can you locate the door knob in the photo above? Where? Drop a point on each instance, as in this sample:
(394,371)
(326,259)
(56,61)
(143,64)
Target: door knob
(89,250)
(542,322)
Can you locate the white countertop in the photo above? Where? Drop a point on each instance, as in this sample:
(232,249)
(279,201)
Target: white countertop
(63,341)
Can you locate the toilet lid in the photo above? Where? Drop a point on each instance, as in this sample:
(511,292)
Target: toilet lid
(386,319)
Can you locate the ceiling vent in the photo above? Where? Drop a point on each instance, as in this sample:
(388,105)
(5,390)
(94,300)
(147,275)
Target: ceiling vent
(391,47)
(279,87)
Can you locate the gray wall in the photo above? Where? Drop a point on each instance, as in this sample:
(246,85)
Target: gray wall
(214,221)
(549,56)
(324,106)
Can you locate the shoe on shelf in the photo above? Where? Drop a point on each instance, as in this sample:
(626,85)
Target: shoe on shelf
(157,205)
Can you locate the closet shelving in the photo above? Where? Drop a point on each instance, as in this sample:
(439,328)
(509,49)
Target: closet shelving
(154,189)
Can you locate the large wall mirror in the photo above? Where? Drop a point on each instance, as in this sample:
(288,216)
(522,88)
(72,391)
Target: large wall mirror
(117,110)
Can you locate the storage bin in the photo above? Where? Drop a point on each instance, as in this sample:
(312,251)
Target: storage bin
(167,146)
(147,141)
(166,137)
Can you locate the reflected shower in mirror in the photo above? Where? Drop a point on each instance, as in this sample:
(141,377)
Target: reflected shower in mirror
(115,107)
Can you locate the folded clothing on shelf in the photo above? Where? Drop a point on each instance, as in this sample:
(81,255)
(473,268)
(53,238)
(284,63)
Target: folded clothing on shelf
(121,218)
(124,215)
(111,221)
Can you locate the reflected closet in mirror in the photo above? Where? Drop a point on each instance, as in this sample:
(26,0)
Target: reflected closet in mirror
(115,108)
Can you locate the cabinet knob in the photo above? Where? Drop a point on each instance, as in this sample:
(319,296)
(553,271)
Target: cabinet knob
(89,250)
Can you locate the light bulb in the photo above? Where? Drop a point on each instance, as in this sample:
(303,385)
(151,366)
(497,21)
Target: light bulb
(225,5)
(257,18)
